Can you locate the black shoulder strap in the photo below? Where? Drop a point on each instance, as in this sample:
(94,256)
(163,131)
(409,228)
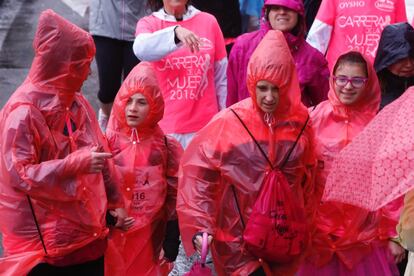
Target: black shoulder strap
(254,139)
(238,206)
(260,148)
(166,163)
(166,142)
(294,145)
(37,224)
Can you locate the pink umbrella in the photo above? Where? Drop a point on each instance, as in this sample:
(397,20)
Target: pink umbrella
(378,165)
(199,268)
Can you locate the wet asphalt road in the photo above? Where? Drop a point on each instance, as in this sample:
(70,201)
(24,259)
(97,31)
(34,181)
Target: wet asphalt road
(16,38)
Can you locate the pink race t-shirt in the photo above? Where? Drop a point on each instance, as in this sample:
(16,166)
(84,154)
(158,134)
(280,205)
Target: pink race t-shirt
(357,24)
(187,79)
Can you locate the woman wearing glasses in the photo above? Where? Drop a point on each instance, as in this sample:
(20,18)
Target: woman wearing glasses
(347,240)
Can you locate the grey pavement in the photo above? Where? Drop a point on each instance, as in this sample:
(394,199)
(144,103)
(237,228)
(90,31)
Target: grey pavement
(18,21)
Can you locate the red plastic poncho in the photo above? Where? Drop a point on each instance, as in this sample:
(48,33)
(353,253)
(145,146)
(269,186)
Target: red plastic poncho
(149,169)
(223,154)
(341,229)
(48,130)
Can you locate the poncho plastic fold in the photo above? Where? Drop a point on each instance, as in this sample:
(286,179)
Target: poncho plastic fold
(148,162)
(48,131)
(223,154)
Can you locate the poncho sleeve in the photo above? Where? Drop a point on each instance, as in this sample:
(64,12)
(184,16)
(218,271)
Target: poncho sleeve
(22,147)
(199,183)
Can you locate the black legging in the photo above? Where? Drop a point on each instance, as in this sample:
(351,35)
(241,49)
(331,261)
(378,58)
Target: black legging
(258,272)
(115,59)
(91,268)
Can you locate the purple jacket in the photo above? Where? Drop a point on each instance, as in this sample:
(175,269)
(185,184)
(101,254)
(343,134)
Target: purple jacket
(312,67)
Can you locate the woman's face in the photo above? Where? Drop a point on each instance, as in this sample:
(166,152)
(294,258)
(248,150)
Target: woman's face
(136,110)
(349,82)
(267,96)
(171,6)
(403,68)
(282,18)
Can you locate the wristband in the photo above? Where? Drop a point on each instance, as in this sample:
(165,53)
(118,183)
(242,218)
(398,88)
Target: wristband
(176,40)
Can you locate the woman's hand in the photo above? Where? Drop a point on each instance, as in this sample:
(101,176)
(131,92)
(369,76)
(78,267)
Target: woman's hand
(122,220)
(128,223)
(98,159)
(85,161)
(190,39)
(198,242)
(397,252)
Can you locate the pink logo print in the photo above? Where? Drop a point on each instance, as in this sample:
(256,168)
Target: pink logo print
(205,44)
(385,5)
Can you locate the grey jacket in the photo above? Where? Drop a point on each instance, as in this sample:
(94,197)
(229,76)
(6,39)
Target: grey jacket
(116,18)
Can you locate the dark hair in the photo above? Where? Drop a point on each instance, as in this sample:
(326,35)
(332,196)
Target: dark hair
(155,5)
(296,30)
(351,57)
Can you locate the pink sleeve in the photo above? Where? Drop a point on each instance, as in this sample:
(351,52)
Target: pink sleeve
(327,12)
(400,11)
(232,73)
(318,87)
(144,25)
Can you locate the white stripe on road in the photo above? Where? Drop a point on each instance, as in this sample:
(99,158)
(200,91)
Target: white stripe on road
(8,11)
(78,6)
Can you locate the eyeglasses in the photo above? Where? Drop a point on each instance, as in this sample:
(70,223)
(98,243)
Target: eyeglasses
(356,82)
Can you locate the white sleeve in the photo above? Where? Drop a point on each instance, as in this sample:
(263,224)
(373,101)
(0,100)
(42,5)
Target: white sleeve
(319,35)
(154,46)
(220,81)
(409,8)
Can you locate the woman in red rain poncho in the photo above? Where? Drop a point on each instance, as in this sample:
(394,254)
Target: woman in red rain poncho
(148,161)
(223,154)
(347,240)
(51,174)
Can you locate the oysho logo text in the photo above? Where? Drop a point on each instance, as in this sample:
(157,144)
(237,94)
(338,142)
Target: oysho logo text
(351,4)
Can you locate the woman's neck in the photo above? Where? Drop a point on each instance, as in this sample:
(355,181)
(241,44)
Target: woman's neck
(178,12)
